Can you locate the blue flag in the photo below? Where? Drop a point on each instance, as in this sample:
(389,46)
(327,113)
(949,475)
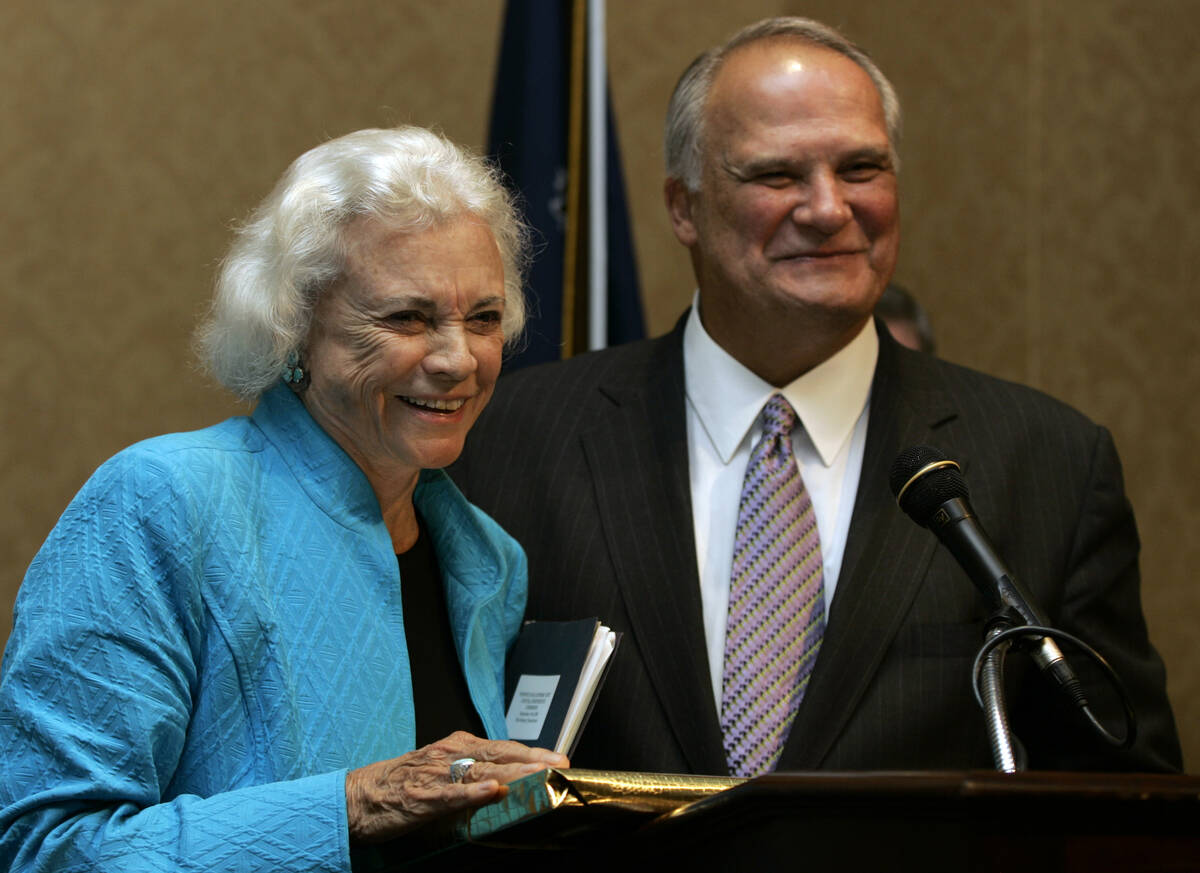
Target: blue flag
(530,139)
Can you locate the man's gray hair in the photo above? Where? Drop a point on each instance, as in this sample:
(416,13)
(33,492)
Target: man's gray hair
(294,245)
(685,113)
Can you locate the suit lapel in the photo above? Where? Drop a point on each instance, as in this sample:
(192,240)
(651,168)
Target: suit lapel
(886,558)
(638,462)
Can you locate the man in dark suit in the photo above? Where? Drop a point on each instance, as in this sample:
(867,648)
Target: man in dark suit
(627,474)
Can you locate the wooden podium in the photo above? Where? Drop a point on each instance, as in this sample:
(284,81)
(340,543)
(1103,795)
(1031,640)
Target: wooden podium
(949,821)
(886,821)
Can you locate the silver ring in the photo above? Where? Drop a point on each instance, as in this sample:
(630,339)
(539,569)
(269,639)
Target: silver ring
(459,768)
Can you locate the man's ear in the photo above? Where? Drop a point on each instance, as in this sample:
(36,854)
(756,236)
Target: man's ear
(679,208)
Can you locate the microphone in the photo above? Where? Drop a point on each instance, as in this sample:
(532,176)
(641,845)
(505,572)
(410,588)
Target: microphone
(930,488)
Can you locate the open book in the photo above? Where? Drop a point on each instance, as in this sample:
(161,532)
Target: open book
(553,673)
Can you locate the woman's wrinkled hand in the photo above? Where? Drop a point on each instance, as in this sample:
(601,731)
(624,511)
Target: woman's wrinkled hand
(388,797)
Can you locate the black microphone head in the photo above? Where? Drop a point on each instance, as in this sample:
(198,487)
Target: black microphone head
(922,479)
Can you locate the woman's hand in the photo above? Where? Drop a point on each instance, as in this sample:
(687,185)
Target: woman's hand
(388,797)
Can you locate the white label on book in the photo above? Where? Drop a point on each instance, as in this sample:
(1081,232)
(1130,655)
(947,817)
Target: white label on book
(530,703)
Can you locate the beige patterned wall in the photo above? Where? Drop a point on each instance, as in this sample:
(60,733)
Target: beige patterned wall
(1049,175)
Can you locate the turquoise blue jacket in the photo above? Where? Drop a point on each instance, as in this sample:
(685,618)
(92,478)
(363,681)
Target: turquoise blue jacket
(211,636)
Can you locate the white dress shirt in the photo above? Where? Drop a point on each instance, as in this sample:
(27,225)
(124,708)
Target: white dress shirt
(724,422)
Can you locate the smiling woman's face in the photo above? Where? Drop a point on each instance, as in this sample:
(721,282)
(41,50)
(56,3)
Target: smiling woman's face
(405,348)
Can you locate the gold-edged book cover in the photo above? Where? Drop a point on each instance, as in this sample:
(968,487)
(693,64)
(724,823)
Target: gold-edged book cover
(553,809)
(581,801)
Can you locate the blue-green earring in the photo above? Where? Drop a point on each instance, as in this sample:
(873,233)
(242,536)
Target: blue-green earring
(293,371)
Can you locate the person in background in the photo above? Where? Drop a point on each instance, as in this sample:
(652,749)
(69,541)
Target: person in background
(906,319)
(214,661)
(720,494)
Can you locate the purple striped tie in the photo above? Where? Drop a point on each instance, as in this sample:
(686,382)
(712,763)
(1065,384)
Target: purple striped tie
(776,601)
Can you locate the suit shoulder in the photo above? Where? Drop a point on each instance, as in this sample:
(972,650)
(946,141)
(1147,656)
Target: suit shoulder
(984,394)
(553,402)
(626,363)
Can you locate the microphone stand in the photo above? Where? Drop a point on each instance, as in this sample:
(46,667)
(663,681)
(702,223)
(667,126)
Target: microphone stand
(991,691)
(1005,626)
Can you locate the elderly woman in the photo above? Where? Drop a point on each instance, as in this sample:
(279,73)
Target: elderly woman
(231,634)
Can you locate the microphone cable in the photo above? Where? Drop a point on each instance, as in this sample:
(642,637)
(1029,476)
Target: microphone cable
(1073,688)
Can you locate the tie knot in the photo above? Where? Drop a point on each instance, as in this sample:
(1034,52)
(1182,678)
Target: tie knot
(779,419)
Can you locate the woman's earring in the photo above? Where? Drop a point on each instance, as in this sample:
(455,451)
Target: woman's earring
(294,373)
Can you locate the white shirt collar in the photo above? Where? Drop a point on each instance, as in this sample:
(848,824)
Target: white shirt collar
(727,397)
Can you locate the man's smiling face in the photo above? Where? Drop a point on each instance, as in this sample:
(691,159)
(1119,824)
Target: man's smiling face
(797,209)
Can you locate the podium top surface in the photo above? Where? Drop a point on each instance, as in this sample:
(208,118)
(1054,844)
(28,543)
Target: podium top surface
(927,820)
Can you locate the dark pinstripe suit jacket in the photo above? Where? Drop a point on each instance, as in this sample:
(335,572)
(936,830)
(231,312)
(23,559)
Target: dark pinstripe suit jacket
(585,463)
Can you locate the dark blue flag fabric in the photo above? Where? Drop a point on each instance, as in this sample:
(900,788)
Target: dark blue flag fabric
(529,139)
